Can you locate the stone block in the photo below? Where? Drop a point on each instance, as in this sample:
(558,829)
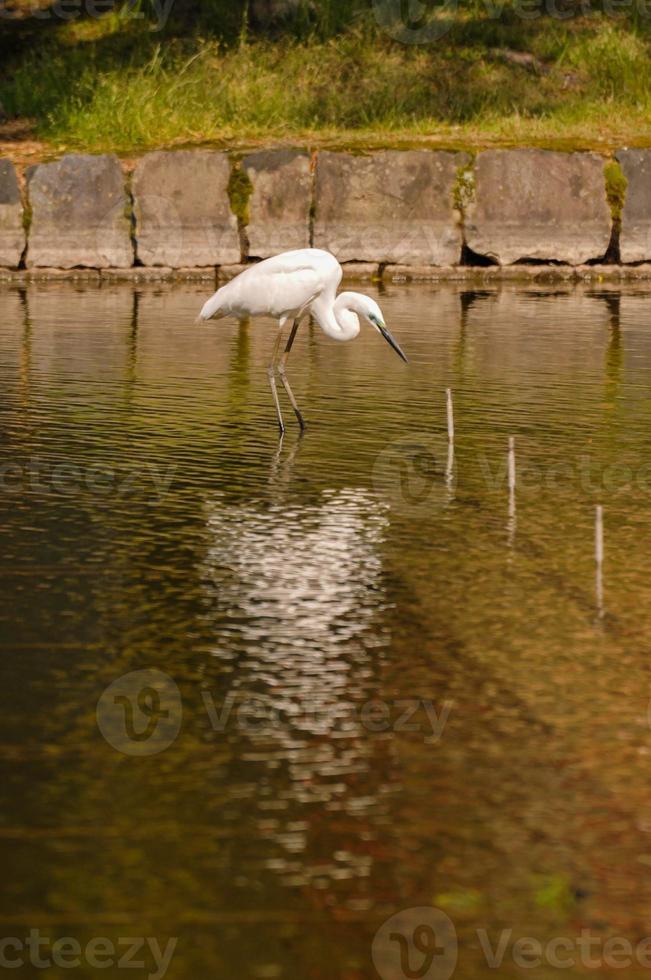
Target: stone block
(79,214)
(138,273)
(391,206)
(635,236)
(539,204)
(43,273)
(207,273)
(13,275)
(227,272)
(279,207)
(417,273)
(12,233)
(362,271)
(183,213)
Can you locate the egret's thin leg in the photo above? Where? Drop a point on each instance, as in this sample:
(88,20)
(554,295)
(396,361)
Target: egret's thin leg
(283,376)
(271,372)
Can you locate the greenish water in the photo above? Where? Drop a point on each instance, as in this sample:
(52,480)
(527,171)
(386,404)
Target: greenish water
(396,688)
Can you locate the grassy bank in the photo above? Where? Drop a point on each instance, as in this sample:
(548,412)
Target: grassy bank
(114,84)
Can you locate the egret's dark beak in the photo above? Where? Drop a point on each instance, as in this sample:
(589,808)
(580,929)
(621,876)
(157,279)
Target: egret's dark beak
(391,342)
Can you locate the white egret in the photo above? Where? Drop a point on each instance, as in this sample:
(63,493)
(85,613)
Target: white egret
(291,285)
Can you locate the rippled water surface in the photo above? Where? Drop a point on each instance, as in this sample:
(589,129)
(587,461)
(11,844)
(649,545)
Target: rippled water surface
(397,687)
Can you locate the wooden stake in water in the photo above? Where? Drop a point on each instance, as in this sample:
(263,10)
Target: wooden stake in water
(511,465)
(599,535)
(449,470)
(511,480)
(599,556)
(450,408)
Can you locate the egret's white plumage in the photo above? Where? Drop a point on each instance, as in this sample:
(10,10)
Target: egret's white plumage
(290,285)
(278,286)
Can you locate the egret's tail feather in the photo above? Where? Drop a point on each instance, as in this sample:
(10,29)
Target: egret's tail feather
(213,308)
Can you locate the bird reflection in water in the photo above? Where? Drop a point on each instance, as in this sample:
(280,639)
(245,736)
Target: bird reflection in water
(299,590)
(295,590)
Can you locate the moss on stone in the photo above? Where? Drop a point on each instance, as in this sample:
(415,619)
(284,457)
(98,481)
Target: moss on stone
(27,216)
(616,184)
(240,190)
(463,191)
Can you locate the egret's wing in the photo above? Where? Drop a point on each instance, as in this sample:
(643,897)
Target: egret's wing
(281,285)
(284,284)
(322,263)
(289,292)
(300,276)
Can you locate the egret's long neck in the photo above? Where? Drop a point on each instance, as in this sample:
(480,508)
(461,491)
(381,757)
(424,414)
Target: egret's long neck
(336,319)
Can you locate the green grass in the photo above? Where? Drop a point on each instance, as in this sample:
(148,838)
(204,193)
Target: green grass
(113,84)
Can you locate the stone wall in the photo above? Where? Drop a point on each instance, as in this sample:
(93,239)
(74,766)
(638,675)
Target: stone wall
(412,211)
(390,207)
